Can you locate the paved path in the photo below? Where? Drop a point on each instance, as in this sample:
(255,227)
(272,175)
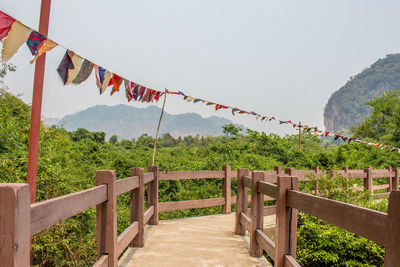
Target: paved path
(197,241)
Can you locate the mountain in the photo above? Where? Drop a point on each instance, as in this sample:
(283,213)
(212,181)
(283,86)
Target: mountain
(346,107)
(129,122)
(50,121)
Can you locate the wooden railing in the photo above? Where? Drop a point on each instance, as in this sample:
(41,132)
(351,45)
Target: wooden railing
(19,220)
(376,226)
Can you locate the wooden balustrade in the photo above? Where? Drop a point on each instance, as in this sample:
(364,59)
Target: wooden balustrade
(376,226)
(19,220)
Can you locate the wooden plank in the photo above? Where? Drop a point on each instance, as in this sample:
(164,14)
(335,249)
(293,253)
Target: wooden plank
(247,181)
(245,221)
(357,174)
(266,243)
(257,213)
(380,173)
(14,225)
(126,237)
(190,204)
(147,215)
(226,190)
(266,198)
(241,206)
(127,184)
(361,221)
(137,207)
(191,175)
(233,174)
(289,261)
(381,195)
(49,212)
(106,218)
(392,250)
(269,210)
(282,245)
(381,186)
(268,189)
(148,177)
(153,201)
(101,262)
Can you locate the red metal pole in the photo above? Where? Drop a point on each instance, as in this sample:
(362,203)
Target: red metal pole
(37,103)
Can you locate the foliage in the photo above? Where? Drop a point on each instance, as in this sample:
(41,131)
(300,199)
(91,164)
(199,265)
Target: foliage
(68,162)
(383,124)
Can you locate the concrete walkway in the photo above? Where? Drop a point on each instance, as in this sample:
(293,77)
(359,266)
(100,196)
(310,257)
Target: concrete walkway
(196,241)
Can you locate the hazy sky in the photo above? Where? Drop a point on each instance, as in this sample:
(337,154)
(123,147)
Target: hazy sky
(281,58)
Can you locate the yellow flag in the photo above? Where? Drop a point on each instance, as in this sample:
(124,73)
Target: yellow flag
(18,34)
(46,46)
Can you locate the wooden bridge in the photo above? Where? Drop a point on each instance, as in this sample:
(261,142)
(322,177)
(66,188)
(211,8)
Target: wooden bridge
(212,238)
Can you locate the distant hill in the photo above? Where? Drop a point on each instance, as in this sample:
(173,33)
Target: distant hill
(346,107)
(129,122)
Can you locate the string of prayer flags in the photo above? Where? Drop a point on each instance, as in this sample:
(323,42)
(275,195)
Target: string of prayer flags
(73,69)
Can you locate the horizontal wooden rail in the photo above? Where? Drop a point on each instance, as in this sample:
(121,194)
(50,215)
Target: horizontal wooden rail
(190,204)
(382,186)
(266,198)
(175,175)
(289,261)
(247,181)
(357,174)
(127,184)
(101,262)
(49,212)
(266,243)
(148,213)
(245,220)
(126,237)
(148,177)
(380,174)
(268,189)
(361,221)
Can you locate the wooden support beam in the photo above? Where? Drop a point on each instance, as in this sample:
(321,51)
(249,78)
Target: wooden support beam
(137,207)
(392,246)
(106,218)
(226,190)
(153,189)
(15,223)
(241,203)
(257,214)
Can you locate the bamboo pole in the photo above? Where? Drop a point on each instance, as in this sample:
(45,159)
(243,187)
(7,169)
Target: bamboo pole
(158,128)
(299,136)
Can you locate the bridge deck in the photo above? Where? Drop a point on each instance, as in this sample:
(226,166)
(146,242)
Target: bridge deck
(196,241)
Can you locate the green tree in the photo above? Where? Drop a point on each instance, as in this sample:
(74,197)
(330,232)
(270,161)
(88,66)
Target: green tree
(383,125)
(113,139)
(231,130)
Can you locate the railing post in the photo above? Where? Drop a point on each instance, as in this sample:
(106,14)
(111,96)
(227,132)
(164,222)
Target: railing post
(392,247)
(346,174)
(368,180)
(389,179)
(395,184)
(106,218)
(226,189)
(241,201)
(316,171)
(286,221)
(290,171)
(153,201)
(137,207)
(257,216)
(278,170)
(15,225)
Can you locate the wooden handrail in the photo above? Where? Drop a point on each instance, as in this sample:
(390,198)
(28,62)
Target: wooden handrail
(268,189)
(190,204)
(148,177)
(101,262)
(183,175)
(364,222)
(247,181)
(147,214)
(127,184)
(49,212)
